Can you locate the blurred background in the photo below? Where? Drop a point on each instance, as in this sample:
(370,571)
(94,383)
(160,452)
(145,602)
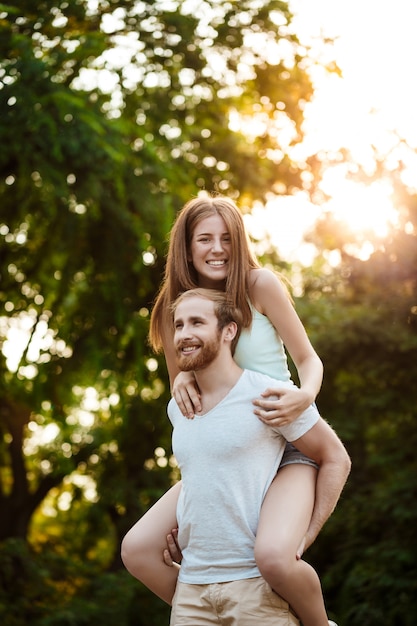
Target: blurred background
(112,116)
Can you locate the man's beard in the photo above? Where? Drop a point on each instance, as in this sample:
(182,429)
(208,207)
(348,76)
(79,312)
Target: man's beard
(204,357)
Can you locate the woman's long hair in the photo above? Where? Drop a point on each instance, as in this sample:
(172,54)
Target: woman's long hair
(180,274)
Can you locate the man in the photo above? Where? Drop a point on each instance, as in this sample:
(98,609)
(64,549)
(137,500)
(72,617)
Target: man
(228,459)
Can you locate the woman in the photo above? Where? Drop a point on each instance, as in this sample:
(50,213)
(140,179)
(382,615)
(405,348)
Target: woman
(209,248)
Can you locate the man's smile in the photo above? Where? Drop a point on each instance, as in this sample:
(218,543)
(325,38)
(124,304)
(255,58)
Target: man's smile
(188,349)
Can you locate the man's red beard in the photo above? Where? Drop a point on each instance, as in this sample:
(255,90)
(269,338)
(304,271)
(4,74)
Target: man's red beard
(197,361)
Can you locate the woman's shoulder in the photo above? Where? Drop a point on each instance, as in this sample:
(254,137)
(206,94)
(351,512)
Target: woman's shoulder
(260,275)
(262,283)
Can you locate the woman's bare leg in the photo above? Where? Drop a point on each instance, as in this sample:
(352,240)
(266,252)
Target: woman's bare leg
(285,516)
(144,545)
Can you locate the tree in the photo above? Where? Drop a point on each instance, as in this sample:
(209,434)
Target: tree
(112,115)
(365,329)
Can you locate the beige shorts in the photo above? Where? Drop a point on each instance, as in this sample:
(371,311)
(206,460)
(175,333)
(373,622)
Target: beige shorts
(247,602)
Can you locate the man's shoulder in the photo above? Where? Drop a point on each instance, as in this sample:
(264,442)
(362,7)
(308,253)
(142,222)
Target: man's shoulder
(172,408)
(259,379)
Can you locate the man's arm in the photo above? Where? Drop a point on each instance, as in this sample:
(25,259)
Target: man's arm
(322,445)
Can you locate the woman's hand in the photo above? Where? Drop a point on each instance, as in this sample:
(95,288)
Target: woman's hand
(282,405)
(187,394)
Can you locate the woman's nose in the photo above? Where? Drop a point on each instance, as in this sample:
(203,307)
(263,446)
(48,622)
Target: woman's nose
(217,245)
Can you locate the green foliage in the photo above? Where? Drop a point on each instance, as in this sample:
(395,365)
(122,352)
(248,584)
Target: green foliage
(112,116)
(365,328)
(47,589)
(91,176)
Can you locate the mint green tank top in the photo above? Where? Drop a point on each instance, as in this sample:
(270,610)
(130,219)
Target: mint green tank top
(261,349)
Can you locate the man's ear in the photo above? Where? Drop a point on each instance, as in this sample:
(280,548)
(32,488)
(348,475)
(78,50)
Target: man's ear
(230,331)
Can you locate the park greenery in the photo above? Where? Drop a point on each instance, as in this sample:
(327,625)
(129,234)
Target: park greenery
(112,115)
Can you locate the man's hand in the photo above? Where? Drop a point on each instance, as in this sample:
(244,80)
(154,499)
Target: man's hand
(173,554)
(301,549)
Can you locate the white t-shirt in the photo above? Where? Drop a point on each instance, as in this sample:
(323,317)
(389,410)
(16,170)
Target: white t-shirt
(228,458)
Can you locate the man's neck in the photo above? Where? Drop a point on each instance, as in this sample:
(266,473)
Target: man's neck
(216,380)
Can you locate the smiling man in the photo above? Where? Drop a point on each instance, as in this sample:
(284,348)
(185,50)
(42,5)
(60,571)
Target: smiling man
(197,343)
(228,458)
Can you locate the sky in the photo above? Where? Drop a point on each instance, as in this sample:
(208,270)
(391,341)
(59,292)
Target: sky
(376,49)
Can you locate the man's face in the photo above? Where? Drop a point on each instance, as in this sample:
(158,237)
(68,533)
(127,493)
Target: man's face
(197,338)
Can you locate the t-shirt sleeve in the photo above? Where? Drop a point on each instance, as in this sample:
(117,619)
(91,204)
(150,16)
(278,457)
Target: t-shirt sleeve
(301,425)
(172,408)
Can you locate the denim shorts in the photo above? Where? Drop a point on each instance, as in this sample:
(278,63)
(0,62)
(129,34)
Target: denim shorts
(292,455)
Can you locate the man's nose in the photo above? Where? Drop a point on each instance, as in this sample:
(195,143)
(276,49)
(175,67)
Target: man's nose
(184,332)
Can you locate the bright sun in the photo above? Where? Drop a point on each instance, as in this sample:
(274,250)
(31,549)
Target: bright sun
(365,209)
(368,112)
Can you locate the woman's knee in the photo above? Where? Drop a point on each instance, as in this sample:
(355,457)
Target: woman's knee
(273,562)
(133,550)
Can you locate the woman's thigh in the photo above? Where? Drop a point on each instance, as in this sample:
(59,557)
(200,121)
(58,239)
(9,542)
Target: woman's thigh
(144,544)
(152,528)
(287,509)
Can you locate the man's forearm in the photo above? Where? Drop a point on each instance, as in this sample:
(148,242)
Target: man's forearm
(331,478)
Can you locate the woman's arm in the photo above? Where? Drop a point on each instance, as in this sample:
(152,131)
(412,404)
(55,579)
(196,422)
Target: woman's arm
(270,298)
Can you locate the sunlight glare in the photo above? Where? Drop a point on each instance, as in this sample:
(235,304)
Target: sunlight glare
(363,208)
(85,418)
(283,222)
(40,436)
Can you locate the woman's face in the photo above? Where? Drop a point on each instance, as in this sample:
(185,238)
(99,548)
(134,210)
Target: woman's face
(210,252)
